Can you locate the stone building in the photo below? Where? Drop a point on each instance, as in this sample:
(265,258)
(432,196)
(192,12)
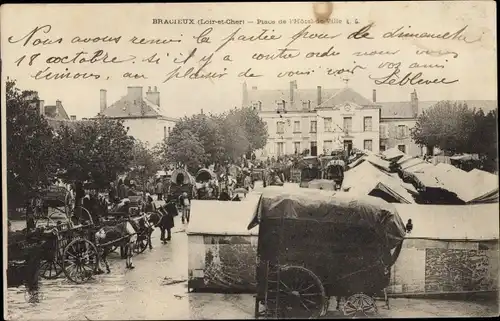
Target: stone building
(142,114)
(319,120)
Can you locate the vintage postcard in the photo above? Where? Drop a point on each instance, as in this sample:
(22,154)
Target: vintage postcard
(249,160)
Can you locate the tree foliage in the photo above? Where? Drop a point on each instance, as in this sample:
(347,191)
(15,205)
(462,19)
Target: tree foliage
(95,151)
(144,164)
(456,128)
(30,151)
(216,138)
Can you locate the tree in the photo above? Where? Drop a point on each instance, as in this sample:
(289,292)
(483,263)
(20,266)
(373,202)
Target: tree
(144,164)
(235,140)
(254,127)
(30,151)
(185,147)
(95,151)
(447,125)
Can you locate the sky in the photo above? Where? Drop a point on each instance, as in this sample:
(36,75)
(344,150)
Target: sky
(474,67)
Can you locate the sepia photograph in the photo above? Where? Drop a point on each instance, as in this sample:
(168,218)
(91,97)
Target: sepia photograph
(177,161)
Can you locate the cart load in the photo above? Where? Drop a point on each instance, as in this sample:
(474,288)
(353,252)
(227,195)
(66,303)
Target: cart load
(337,244)
(310,169)
(207,186)
(181,182)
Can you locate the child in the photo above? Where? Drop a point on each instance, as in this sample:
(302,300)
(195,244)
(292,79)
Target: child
(185,206)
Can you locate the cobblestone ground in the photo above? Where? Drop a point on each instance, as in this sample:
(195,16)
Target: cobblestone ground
(206,306)
(155,289)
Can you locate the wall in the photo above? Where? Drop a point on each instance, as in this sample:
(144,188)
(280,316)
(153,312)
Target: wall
(228,263)
(391,139)
(305,137)
(149,130)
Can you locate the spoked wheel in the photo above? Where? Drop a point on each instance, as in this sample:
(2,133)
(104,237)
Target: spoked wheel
(142,243)
(80,260)
(50,269)
(301,294)
(359,306)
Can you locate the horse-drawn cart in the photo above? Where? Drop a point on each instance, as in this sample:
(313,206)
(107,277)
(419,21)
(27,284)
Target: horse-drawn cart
(181,182)
(313,245)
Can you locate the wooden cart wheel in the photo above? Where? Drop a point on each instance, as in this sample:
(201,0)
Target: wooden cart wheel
(50,269)
(142,243)
(80,260)
(301,294)
(359,305)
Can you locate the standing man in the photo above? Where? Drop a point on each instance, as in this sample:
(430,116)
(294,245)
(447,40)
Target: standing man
(159,190)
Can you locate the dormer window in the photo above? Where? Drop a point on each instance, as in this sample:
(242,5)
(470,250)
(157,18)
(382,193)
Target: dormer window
(280,105)
(306,104)
(257,105)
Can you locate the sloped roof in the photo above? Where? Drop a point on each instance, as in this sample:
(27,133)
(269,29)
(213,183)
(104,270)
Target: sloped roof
(57,123)
(330,98)
(396,109)
(125,107)
(485,105)
(55,112)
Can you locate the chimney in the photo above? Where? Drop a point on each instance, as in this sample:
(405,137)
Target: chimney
(153,96)
(103,101)
(245,94)
(319,98)
(134,93)
(73,117)
(374,97)
(149,89)
(414,103)
(201,112)
(58,107)
(254,87)
(293,85)
(41,106)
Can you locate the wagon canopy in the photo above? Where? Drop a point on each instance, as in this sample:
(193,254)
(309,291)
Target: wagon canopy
(331,208)
(186,177)
(204,175)
(309,160)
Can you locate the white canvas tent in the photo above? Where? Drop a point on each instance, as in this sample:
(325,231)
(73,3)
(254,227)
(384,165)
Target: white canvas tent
(393,153)
(365,178)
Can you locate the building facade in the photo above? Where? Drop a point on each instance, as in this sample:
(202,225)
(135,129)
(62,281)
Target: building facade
(319,121)
(142,115)
(324,120)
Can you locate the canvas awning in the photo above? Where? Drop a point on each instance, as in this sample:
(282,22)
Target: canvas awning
(392,154)
(366,178)
(379,162)
(451,222)
(212,217)
(465,157)
(483,185)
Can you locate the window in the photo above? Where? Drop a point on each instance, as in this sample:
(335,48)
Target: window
(314,125)
(296,147)
(328,124)
(367,124)
(383,129)
(280,105)
(382,148)
(402,132)
(257,105)
(402,148)
(169,130)
(314,149)
(165,131)
(368,145)
(280,127)
(347,124)
(327,146)
(306,104)
(296,126)
(280,150)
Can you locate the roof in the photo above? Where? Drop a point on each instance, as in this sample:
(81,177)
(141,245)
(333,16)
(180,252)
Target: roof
(55,112)
(330,98)
(125,107)
(403,109)
(451,222)
(396,109)
(56,123)
(485,105)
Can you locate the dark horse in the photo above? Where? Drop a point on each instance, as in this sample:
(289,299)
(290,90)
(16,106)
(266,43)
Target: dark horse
(122,234)
(163,218)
